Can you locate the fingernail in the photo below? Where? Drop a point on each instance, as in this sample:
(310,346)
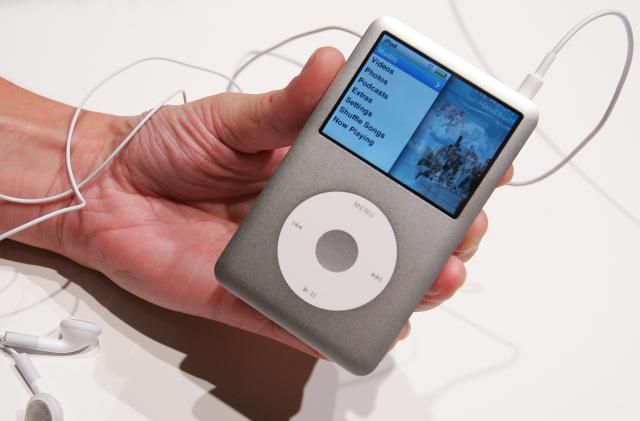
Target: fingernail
(469,252)
(313,56)
(434,291)
(406,332)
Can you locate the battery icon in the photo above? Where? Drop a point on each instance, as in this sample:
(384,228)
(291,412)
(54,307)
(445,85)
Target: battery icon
(440,73)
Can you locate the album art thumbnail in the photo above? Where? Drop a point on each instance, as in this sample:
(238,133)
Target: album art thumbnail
(454,145)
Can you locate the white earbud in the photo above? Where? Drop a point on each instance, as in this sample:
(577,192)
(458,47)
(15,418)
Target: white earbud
(42,406)
(74,336)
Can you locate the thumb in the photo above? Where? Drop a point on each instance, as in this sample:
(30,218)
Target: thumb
(258,122)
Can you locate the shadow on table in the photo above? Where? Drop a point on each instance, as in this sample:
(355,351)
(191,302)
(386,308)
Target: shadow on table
(259,378)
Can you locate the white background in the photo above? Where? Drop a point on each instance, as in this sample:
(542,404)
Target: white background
(547,324)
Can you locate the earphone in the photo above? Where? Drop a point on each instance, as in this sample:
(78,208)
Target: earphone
(74,335)
(42,405)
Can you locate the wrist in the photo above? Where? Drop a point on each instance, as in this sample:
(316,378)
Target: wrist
(33,132)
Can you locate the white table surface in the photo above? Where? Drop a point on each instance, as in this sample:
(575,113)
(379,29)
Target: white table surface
(547,324)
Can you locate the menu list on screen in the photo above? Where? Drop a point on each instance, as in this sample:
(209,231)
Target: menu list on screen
(412,119)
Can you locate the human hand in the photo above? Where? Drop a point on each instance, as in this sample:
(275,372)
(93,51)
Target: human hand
(158,218)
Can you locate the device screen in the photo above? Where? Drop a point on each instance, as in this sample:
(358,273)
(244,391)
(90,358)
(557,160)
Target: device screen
(422,125)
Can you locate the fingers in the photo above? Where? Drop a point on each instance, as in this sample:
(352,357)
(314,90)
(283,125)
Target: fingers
(253,123)
(273,331)
(454,273)
(507,177)
(404,333)
(471,241)
(467,248)
(448,282)
(232,311)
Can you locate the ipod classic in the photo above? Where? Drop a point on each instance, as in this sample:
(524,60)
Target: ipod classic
(377,191)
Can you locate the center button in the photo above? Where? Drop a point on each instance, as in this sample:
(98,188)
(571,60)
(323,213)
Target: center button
(336,250)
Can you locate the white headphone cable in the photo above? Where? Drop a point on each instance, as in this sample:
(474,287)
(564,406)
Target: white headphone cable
(80,107)
(8,350)
(258,54)
(279,56)
(533,82)
(75,186)
(529,87)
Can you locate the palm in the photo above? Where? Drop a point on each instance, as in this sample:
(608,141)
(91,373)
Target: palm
(157,221)
(155,248)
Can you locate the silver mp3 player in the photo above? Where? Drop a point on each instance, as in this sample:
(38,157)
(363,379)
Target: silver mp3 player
(376,193)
